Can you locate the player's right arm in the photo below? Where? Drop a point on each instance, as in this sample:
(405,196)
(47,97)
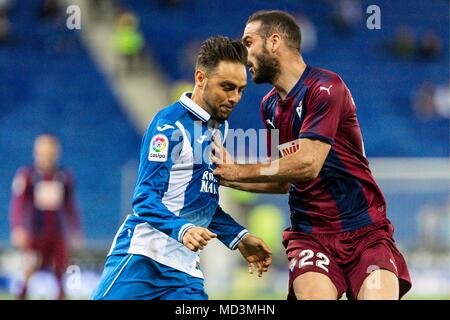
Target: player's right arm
(161,147)
(19,234)
(261,187)
(221,155)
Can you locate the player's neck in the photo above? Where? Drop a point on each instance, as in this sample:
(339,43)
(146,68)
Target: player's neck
(196,97)
(292,69)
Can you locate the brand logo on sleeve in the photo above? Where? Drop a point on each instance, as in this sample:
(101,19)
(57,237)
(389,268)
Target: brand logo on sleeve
(325,89)
(289,147)
(159,147)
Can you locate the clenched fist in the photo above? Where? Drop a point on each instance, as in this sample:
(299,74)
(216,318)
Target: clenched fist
(197,238)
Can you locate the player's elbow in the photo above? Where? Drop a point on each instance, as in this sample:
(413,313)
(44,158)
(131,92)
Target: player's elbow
(310,169)
(282,188)
(285,188)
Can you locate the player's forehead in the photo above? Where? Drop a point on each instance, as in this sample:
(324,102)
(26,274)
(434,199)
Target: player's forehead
(251,30)
(46,143)
(231,73)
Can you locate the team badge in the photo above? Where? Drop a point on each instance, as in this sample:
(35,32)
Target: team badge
(299,109)
(159,147)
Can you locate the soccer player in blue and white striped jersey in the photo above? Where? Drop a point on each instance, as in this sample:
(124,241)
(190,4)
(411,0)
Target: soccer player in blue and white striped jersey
(176,209)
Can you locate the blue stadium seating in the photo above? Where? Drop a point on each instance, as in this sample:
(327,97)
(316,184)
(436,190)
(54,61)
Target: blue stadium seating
(44,89)
(382,86)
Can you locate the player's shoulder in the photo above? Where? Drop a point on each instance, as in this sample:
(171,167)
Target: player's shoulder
(319,77)
(65,173)
(171,113)
(167,119)
(25,171)
(272,94)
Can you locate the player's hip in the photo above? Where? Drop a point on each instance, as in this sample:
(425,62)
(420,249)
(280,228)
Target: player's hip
(136,277)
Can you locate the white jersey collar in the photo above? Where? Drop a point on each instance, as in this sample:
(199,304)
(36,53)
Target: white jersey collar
(186,101)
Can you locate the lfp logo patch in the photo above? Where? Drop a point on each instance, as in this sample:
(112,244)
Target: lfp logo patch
(159,147)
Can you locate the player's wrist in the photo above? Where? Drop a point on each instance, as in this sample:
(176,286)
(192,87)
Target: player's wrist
(241,242)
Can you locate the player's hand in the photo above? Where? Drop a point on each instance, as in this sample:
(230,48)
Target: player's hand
(197,238)
(220,154)
(257,254)
(227,172)
(20,238)
(76,241)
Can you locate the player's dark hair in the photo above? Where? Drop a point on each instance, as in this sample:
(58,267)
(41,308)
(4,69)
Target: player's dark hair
(276,21)
(219,48)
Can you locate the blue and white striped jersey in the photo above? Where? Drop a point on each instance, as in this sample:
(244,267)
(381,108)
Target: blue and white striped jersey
(176,189)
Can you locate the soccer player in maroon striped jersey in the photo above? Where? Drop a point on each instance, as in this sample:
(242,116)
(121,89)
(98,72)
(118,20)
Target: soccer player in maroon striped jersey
(340,239)
(45,222)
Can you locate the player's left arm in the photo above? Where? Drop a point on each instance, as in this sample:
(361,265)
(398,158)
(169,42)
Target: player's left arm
(228,231)
(72,213)
(323,113)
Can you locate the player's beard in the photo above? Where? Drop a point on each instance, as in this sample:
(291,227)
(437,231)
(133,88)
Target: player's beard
(268,69)
(213,106)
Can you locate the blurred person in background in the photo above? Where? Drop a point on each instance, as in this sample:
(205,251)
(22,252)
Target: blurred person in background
(432,101)
(309,34)
(44,216)
(5,28)
(403,45)
(423,100)
(5,24)
(441,99)
(128,42)
(430,45)
(347,14)
(49,9)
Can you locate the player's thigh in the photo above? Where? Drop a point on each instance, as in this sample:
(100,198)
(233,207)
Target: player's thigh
(314,286)
(381,284)
(375,273)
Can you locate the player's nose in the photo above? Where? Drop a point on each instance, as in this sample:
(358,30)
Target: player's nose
(233,98)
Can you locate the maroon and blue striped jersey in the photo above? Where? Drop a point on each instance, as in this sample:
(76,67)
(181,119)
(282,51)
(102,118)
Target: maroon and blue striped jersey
(344,196)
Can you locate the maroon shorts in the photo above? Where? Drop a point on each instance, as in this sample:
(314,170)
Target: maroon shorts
(346,258)
(51,254)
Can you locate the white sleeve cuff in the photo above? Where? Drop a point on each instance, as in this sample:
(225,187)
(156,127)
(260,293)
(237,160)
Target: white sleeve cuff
(233,244)
(183,230)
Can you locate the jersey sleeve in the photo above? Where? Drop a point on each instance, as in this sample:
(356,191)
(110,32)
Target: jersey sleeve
(161,147)
(71,208)
(19,198)
(323,108)
(228,231)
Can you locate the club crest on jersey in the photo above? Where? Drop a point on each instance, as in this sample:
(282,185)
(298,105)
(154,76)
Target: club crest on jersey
(289,147)
(159,147)
(299,109)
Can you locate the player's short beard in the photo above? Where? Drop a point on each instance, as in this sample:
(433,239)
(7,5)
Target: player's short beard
(268,68)
(214,109)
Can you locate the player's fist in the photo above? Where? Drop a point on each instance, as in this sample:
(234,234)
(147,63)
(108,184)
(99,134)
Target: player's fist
(197,238)
(219,154)
(20,238)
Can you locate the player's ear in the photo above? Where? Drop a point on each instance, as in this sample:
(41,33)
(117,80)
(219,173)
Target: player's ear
(200,77)
(274,42)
